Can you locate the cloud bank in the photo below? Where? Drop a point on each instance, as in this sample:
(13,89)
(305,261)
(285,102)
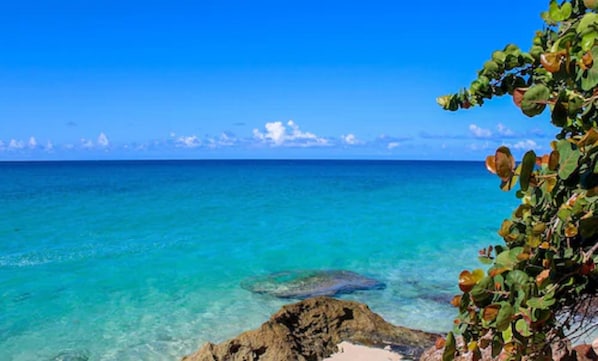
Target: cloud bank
(277,138)
(277,134)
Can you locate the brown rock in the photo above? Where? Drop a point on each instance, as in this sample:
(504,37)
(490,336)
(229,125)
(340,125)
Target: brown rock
(585,353)
(310,330)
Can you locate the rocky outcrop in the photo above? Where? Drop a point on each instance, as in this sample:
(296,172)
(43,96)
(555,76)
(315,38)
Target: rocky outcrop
(310,330)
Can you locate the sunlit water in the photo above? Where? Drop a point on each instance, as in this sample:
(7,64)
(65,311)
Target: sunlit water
(143,260)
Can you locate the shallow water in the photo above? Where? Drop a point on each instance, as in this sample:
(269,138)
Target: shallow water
(143,260)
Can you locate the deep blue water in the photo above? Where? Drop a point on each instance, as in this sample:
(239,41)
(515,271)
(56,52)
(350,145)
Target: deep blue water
(143,260)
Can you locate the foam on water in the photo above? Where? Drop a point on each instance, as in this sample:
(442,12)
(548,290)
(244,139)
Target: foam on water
(143,260)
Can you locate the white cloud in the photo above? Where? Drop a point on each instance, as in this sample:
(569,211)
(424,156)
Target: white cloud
(86,143)
(276,132)
(525,145)
(289,135)
(211,143)
(16,144)
(479,132)
(393,145)
(227,139)
(103,140)
(32,143)
(503,130)
(351,139)
(2,145)
(188,142)
(49,146)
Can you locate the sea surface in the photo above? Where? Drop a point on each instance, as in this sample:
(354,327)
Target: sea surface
(143,260)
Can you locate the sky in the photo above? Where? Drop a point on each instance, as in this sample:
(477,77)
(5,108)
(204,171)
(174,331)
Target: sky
(256,79)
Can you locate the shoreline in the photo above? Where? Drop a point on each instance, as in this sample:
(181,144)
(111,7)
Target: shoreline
(321,328)
(328,329)
(351,352)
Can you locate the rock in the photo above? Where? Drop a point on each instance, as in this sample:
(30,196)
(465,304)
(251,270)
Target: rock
(310,330)
(71,356)
(587,307)
(585,353)
(595,346)
(304,284)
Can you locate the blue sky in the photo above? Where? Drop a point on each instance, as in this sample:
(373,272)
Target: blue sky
(256,79)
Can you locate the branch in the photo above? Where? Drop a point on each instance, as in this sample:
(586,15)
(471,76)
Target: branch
(590,253)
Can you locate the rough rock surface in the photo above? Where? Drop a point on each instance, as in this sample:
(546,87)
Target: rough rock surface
(310,330)
(585,353)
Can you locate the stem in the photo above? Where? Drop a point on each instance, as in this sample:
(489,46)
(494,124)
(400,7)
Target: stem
(590,253)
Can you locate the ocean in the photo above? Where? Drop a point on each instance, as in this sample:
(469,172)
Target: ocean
(143,260)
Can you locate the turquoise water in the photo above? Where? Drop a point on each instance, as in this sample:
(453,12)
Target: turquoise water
(143,260)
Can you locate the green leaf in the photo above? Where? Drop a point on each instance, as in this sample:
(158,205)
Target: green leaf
(564,214)
(575,105)
(485,260)
(588,23)
(554,11)
(545,15)
(560,13)
(541,303)
(527,167)
(503,319)
(444,101)
(497,344)
(560,112)
(565,40)
(566,10)
(534,100)
(509,184)
(588,40)
(541,315)
(491,68)
(508,258)
(450,348)
(523,328)
(499,281)
(589,77)
(507,334)
(512,49)
(569,158)
(499,57)
(480,293)
(517,277)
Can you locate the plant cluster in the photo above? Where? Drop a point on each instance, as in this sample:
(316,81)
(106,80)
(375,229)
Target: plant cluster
(538,284)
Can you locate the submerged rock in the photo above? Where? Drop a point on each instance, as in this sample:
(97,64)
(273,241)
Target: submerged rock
(310,330)
(71,356)
(304,284)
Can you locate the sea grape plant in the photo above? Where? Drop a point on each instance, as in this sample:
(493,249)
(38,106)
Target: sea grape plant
(540,284)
